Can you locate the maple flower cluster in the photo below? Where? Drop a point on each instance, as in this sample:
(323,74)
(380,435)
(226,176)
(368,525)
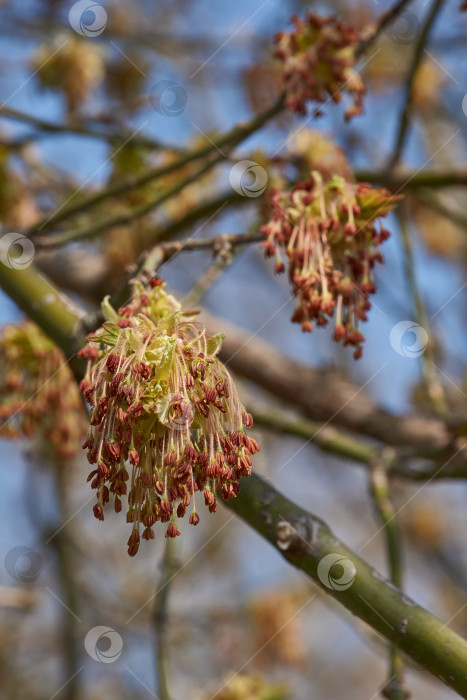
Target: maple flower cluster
(38,394)
(162,403)
(331,235)
(318,63)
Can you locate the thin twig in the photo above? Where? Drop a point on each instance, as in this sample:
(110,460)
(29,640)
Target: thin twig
(406,180)
(408,104)
(372,32)
(434,387)
(158,255)
(137,212)
(379,490)
(433,201)
(169,567)
(81,130)
(208,208)
(232,138)
(330,439)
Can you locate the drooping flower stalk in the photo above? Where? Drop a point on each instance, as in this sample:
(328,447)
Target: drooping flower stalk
(318,63)
(38,393)
(163,403)
(331,235)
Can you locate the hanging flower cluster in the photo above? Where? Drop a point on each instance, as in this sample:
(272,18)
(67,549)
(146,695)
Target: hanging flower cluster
(162,402)
(318,63)
(38,394)
(331,235)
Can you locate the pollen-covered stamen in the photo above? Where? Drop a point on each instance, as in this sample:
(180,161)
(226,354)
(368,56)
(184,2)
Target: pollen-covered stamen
(318,59)
(161,400)
(331,237)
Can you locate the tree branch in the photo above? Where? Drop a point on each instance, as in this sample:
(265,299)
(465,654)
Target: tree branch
(137,212)
(406,180)
(323,396)
(154,258)
(81,130)
(168,570)
(373,31)
(208,208)
(232,138)
(395,688)
(329,439)
(407,109)
(304,541)
(431,379)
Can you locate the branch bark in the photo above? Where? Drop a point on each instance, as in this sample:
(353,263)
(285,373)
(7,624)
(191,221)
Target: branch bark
(305,541)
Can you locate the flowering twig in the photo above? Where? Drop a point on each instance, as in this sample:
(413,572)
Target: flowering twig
(329,235)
